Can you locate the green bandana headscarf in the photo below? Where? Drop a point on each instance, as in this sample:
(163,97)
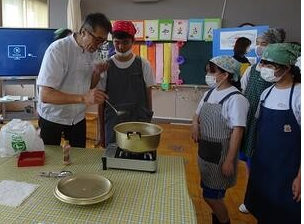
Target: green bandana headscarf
(283,53)
(61,33)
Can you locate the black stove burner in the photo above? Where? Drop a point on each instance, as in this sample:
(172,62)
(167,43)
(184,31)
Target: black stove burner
(123,154)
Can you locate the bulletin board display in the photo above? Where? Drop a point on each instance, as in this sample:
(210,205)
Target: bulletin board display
(224,39)
(191,71)
(196,55)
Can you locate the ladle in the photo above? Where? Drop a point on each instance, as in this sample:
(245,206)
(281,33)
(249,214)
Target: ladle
(118,112)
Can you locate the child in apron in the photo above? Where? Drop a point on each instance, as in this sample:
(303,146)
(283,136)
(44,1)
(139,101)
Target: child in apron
(218,127)
(253,86)
(127,82)
(274,186)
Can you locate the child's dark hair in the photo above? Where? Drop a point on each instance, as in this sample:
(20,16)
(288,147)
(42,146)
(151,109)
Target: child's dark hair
(241,45)
(295,70)
(213,68)
(121,35)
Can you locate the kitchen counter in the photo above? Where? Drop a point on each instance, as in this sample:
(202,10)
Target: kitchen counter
(139,197)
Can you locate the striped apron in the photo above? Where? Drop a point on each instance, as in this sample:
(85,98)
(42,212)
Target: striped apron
(214,144)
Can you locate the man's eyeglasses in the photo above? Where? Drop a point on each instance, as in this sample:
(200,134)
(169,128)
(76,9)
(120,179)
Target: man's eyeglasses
(99,40)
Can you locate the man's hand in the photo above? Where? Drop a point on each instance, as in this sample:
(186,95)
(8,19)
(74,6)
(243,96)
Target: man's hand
(100,67)
(95,96)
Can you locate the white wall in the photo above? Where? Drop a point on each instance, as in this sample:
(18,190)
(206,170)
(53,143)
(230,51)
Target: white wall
(58,13)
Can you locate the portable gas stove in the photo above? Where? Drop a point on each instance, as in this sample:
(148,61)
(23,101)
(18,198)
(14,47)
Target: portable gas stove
(117,158)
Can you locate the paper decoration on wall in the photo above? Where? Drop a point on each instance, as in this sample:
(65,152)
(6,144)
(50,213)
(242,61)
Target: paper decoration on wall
(135,49)
(139,26)
(180,30)
(143,51)
(174,64)
(110,35)
(159,63)
(152,57)
(167,66)
(180,44)
(209,26)
(151,29)
(165,29)
(196,29)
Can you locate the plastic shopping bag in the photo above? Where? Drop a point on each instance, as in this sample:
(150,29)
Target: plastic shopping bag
(18,136)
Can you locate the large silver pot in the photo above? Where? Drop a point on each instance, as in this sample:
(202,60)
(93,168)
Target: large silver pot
(138,136)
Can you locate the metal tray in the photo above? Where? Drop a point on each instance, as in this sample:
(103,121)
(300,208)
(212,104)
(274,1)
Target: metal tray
(84,202)
(83,188)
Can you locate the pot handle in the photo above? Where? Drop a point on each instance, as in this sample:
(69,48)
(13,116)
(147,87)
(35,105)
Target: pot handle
(131,133)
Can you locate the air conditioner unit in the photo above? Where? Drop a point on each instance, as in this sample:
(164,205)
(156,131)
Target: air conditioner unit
(143,1)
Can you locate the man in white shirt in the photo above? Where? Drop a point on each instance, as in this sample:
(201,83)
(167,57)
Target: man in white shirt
(66,84)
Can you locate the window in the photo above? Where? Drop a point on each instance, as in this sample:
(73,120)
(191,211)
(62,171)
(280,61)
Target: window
(25,13)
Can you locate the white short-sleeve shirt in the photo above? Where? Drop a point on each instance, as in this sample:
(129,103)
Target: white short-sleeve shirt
(278,99)
(146,68)
(67,68)
(234,109)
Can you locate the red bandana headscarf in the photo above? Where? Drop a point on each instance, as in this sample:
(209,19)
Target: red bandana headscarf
(124,26)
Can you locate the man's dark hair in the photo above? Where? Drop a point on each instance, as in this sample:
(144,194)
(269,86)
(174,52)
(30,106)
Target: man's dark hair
(94,20)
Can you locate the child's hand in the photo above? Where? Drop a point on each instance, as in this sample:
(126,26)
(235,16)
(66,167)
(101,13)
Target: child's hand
(227,168)
(296,188)
(195,135)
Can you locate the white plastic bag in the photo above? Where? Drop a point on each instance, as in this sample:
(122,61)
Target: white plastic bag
(18,136)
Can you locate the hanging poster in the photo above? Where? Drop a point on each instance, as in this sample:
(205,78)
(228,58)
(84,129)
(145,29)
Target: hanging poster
(196,29)
(180,30)
(139,26)
(224,39)
(228,38)
(209,26)
(165,29)
(151,30)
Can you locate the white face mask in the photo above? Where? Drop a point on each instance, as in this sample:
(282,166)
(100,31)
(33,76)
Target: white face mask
(210,80)
(268,75)
(125,54)
(259,50)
